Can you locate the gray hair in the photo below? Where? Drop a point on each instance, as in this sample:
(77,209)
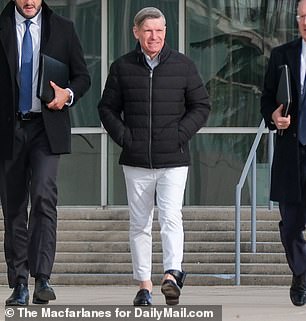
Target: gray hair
(147,13)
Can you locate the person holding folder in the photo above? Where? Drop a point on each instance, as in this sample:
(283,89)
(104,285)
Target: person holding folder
(33,134)
(288,181)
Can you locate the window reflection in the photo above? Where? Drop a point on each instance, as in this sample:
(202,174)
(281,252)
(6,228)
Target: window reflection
(230,41)
(86,14)
(121,15)
(79,177)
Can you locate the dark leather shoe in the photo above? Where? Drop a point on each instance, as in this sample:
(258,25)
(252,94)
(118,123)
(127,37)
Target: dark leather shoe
(298,290)
(20,295)
(172,289)
(38,301)
(143,297)
(43,292)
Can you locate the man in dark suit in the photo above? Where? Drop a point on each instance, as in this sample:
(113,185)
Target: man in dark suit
(288,185)
(32,136)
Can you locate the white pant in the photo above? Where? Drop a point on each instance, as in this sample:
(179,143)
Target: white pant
(169,184)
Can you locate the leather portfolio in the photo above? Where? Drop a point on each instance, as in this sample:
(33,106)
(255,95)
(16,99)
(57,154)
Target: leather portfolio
(51,70)
(283,95)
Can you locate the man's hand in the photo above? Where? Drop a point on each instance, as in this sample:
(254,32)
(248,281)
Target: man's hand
(280,121)
(61,97)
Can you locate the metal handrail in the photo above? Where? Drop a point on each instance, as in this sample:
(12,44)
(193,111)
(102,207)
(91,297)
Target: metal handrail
(251,162)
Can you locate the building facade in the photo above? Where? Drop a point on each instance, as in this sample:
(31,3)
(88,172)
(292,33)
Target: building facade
(230,42)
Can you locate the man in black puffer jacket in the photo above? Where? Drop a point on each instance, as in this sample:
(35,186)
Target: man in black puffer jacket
(153,103)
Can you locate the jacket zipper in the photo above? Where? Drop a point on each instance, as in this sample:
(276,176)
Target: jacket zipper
(150,120)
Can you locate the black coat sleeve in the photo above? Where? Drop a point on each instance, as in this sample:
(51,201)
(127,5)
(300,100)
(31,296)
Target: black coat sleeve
(110,107)
(197,106)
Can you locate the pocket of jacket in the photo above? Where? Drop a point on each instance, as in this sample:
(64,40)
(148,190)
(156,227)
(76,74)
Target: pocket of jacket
(127,138)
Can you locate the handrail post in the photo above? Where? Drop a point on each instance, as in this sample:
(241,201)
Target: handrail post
(237,235)
(251,161)
(270,159)
(253,208)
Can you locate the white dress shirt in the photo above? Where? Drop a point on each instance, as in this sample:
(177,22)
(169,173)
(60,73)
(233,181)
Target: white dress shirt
(303,65)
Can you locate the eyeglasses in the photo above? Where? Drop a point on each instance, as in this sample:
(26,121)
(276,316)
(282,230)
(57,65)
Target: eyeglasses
(300,18)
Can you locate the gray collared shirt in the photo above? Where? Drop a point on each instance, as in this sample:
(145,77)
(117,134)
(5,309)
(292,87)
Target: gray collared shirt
(152,62)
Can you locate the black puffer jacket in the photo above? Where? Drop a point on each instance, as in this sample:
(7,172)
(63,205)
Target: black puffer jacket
(152,114)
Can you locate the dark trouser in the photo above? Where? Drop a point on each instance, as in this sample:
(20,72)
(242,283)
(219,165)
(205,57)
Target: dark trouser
(30,239)
(292,225)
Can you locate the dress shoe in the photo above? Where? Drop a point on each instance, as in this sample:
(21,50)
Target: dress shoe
(298,290)
(38,301)
(143,297)
(20,295)
(43,292)
(172,289)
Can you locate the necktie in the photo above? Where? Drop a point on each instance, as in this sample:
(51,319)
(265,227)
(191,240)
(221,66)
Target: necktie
(26,71)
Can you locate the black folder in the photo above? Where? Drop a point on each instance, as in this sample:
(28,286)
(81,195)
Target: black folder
(283,95)
(51,70)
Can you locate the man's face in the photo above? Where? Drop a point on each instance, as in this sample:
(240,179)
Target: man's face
(151,35)
(28,8)
(302,18)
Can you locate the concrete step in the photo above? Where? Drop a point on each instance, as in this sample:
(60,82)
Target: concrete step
(211,247)
(191,280)
(190,213)
(105,225)
(200,268)
(95,257)
(266,280)
(189,257)
(190,236)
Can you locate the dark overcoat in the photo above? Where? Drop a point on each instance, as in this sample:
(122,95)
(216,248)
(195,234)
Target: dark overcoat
(285,180)
(58,40)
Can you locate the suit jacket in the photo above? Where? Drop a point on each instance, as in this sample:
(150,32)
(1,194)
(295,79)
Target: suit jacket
(58,40)
(285,180)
